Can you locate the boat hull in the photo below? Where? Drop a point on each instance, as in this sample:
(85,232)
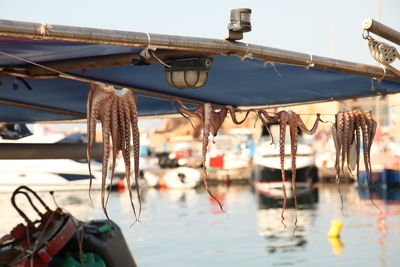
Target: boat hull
(268,181)
(181,178)
(385,177)
(42,181)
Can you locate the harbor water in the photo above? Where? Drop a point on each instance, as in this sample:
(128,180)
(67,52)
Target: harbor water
(187,227)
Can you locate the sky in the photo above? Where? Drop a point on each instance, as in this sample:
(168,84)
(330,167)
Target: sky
(329,28)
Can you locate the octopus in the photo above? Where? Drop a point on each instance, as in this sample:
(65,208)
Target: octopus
(117,112)
(295,123)
(210,122)
(350,128)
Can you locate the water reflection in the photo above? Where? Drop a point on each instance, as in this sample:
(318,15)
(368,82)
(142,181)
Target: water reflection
(387,202)
(271,226)
(388,194)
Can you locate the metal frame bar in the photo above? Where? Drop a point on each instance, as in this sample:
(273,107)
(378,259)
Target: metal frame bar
(49,151)
(381,30)
(96,62)
(17,29)
(44,109)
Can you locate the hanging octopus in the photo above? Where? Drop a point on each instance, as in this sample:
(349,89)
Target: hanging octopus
(116,109)
(210,122)
(294,121)
(349,129)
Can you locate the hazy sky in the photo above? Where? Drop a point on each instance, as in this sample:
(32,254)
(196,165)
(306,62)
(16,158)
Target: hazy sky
(325,28)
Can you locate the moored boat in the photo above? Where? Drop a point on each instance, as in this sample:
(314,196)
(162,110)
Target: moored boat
(385,170)
(181,178)
(49,174)
(267,174)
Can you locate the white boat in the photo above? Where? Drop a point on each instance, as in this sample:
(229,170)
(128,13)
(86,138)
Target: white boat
(147,166)
(228,152)
(181,178)
(47,175)
(267,174)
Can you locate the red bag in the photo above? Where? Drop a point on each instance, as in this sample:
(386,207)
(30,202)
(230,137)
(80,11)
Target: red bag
(35,243)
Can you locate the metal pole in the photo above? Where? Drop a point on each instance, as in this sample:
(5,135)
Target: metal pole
(44,109)
(95,62)
(17,29)
(48,151)
(382,30)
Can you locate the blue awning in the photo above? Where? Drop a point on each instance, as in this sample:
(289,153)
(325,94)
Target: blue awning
(232,80)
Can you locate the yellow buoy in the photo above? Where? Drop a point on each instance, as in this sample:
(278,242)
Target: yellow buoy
(336,244)
(336,227)
(334,236)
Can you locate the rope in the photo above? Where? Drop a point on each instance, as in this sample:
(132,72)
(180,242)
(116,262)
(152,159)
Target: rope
(246,54)
(378,79)
(273,65)
(149,50)
(311,63)
(37,64)
(44,29)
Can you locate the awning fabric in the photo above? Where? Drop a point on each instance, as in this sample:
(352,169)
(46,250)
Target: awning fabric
(232,80)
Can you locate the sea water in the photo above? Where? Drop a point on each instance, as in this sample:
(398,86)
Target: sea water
(188,228)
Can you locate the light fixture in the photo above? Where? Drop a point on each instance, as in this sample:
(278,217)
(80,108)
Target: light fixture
(240,23)
(187,73)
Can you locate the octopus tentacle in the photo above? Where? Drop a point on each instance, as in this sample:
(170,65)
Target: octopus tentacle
(198,112)
(357,126)
(116,140)
(265,119)
(92,114)
(90,132)
(188,113)
(106,151)
(339,124)
(371,133)
(339,129)
(232,111)
(132,100)
(350,129)
(303,127)
(127,152)
(116,109)
(335,142)
(217,120)
(351,143)
(293,123)
(346,141)
(283,119)
(124,122)
(206,132)
(364,131)
(210,122)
